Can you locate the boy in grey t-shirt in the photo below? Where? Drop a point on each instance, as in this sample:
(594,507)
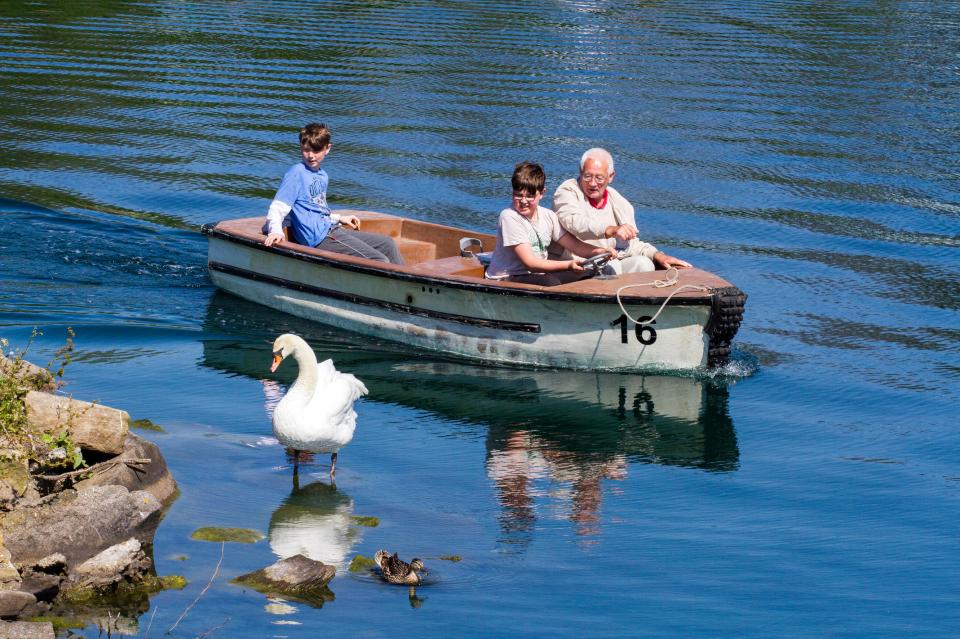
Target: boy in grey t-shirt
(526,230)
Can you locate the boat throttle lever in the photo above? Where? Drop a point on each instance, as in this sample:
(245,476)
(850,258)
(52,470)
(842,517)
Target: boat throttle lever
(594,265)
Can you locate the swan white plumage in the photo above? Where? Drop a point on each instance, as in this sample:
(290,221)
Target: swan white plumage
(317,413)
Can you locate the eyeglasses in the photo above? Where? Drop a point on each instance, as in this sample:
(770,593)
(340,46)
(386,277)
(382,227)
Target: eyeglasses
(599,179)
(524,196)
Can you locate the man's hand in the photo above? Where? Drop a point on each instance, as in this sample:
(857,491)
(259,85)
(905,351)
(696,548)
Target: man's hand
(623,232)
(273,238)
(666,261)
(350,221)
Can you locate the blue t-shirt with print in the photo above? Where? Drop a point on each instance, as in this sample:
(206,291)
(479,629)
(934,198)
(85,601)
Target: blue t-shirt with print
(305,191)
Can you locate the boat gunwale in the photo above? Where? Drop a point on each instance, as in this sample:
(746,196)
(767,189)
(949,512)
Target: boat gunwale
(494,287)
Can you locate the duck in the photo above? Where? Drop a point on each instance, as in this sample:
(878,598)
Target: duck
(316,414)
(397,571)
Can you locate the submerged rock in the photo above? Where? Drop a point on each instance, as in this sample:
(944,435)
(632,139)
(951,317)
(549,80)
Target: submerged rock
(239,535)
(146,424)
(298,578)
(364,520)
(359,563)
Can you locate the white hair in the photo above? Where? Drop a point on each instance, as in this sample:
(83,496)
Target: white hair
(601,155)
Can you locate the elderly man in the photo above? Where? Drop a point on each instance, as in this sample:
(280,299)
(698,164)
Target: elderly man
(595,213)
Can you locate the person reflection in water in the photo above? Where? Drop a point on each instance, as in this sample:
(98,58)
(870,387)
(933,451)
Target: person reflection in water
(526,468)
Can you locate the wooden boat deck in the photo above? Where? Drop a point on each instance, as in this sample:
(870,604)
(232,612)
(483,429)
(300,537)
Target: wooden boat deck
(433,251)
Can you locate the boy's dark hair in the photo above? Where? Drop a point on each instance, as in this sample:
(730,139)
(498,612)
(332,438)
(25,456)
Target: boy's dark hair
(315,135)
(528,177)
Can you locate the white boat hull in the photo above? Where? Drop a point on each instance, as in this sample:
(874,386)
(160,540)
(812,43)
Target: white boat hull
(460,321)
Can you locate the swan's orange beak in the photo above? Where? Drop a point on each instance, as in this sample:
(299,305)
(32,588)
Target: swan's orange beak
(277,358)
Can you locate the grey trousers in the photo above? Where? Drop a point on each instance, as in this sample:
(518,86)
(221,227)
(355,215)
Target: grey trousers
(372,246)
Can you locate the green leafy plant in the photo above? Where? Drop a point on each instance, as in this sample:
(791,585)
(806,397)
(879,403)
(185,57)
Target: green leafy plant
(71,452)
(17,378)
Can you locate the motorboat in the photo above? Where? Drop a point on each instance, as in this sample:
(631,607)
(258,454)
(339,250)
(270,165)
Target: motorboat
(440,300)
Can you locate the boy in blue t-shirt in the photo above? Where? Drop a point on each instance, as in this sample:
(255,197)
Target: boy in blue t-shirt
(301,204)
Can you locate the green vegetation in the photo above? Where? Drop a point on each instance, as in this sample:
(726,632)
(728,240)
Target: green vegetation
(18,441)
(359,563)
(361,520)
(239,535)
(146,424)
(167,582)
(453,558)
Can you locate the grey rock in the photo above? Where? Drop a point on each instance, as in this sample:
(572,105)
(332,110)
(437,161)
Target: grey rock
(80,524)
(39,609)
(299,578)
(6,495)
(26,630)
(91,426)
(111,565)
(15,477)
(41,585)
(154,476)
(13,601)
(55,564)
(9,575)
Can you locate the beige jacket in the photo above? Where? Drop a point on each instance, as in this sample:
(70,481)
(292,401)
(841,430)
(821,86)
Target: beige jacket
(589,224)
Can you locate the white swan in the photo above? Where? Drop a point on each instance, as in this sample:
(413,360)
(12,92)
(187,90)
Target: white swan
(317,413)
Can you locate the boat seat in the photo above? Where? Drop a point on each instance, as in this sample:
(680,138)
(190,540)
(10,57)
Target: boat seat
(416,251)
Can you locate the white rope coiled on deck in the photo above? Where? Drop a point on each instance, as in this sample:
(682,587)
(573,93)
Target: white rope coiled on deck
(671,279)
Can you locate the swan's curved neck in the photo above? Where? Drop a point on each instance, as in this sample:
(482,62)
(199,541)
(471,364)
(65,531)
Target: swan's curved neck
(307,377)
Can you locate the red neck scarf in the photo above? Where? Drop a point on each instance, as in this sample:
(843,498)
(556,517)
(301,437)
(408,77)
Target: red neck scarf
(601,203)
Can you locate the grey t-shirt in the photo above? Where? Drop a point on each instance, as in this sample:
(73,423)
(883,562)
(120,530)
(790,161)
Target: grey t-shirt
(514,229)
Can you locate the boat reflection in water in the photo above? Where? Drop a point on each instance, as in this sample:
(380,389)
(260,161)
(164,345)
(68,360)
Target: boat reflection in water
(552,437)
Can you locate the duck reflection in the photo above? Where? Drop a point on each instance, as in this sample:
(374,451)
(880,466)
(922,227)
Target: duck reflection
(558,442)
(315,521)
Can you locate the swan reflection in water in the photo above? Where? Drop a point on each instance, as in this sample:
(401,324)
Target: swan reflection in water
(316,521)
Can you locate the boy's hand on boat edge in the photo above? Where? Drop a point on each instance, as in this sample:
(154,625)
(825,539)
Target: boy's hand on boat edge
(273,238)
(350,221)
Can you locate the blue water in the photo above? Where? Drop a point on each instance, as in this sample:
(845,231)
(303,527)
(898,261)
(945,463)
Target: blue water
(805,151)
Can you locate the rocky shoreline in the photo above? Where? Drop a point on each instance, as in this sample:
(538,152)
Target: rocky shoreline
(74,541)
